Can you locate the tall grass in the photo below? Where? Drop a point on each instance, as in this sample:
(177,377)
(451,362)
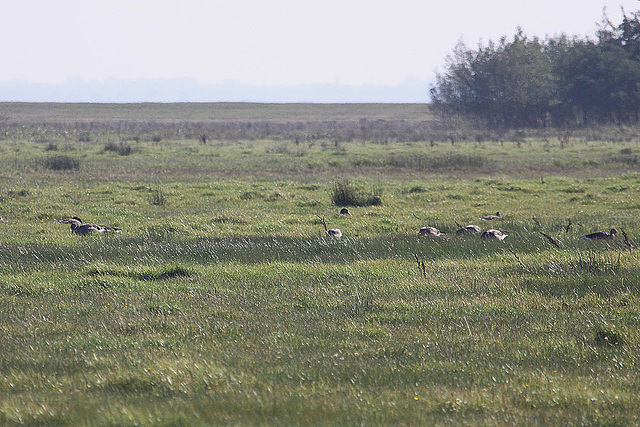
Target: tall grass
(228,304)
(157,197)
(61,163)
(346,194)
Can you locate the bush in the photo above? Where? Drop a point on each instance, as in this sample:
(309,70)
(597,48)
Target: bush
(345,194)
(607,338)
(61,163)
(123,148)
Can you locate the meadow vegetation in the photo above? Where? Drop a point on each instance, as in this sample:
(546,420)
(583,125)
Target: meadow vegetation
(223,302)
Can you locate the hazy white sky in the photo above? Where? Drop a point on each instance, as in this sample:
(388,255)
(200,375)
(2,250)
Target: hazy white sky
(267,42)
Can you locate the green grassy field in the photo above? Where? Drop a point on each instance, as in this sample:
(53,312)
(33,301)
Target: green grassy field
(223,302)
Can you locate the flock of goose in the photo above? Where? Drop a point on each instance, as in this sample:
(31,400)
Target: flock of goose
(491,233)
(499,235)
(82,228)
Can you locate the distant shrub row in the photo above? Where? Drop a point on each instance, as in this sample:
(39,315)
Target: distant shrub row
(304,133)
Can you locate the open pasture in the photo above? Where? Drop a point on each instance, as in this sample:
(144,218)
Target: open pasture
(222,301)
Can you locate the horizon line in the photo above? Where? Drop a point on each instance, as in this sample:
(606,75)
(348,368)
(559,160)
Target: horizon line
(176,90)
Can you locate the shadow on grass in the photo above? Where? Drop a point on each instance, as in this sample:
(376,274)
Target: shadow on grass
(144,273)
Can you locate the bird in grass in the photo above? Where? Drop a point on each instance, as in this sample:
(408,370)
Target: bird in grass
(469,229)
(601,235)
(333,232)
(430,231)
(345,211)
(83,229)
(491,217)
(493,234)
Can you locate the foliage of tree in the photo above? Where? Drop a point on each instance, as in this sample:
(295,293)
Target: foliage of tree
(528,82)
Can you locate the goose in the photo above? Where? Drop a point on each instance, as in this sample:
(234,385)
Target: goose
(469,229)
(333,232)
(430,231)
(491,217)
(345,211)
(493,234)
(78,227)
(601,235)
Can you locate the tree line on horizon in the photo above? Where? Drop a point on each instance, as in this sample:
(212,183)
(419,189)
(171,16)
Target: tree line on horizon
(563,81)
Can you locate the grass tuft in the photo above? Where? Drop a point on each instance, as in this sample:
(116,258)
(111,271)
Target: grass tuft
(61,162)
(346,194)
(123,149)
(228,219)
(137,385)
(163,309)
(157,197)
(607,338)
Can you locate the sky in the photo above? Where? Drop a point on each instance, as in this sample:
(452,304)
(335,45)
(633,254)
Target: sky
(275,42)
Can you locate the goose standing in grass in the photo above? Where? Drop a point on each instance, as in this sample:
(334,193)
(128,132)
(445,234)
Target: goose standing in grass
(469,229)
(83,229)
(345,211)
(430,231)
(601,235)
(493,234)
(492,217)
(333,232)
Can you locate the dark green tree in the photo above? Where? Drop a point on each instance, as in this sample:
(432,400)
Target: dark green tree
(625,35)
(509,84)
(602,84)
(527,82)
